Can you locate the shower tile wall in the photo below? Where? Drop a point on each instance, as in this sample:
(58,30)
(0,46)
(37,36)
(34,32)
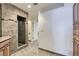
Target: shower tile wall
(9,23)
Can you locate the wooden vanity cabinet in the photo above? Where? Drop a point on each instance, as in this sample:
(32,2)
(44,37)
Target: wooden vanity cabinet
(5,46)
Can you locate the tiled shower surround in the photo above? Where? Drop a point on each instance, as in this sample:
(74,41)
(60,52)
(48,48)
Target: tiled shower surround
(10,24)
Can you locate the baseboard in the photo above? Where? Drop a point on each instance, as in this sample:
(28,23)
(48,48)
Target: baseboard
(52,52)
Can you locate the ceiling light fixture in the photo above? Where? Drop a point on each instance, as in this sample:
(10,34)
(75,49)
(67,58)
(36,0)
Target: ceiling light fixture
(29,6)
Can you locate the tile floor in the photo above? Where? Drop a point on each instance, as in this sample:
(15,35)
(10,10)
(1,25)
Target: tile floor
(32,50)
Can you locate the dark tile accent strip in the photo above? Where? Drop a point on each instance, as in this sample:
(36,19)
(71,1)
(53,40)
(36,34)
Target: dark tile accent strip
(8,20)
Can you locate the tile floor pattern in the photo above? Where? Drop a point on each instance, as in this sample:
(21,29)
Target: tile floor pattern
(32,50)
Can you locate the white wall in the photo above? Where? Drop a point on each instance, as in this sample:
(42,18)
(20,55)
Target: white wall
(29,30)
(35,30)
(56,30)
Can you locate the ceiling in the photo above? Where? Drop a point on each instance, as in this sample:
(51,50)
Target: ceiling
(33,11)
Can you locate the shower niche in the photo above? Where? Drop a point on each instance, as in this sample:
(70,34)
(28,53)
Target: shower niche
(21,31)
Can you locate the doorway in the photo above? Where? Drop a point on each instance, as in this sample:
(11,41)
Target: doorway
(21,31)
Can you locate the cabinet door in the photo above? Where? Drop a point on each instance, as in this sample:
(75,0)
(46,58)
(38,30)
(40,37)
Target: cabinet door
(5,51)
(1,53)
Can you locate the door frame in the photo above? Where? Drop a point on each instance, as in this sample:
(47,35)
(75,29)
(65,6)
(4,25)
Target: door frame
(19,47)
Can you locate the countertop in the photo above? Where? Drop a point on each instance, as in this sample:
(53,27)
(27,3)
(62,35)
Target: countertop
(4,38)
